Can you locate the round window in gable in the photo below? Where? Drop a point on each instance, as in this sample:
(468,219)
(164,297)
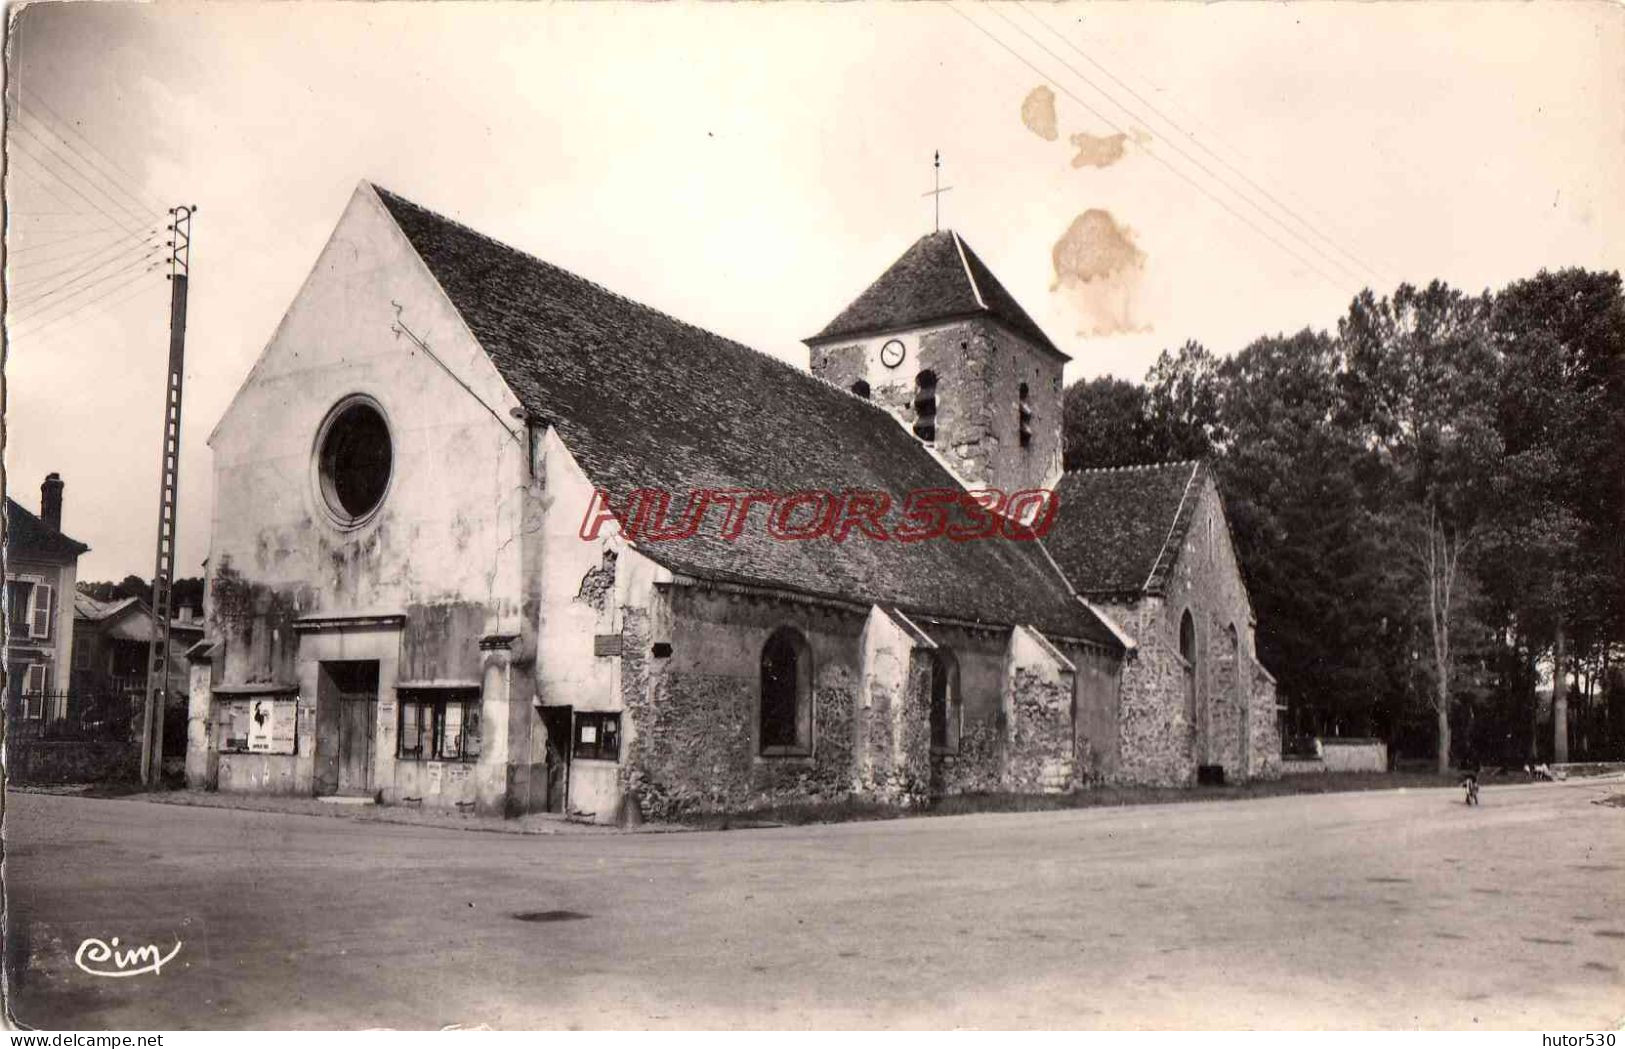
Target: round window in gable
(354,460)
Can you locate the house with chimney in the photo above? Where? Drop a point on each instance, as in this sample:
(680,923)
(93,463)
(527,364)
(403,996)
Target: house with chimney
(41,570)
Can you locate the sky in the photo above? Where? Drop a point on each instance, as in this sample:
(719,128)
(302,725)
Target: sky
(1137,174)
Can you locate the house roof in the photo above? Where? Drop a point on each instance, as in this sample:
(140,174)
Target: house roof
(646,401)
(108,613)
(938,278)
(90,608)
(29,538)
(1118,530)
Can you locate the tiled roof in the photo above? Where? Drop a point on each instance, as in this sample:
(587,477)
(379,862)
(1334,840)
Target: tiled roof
(87,607)
(93,610)
(936,279)
(1118,530)
(29,538)
(645,401)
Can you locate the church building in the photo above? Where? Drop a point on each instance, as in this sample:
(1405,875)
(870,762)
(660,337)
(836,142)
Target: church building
(489,536)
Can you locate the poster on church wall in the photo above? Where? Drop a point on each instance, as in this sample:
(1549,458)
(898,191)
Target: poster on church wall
(271,725)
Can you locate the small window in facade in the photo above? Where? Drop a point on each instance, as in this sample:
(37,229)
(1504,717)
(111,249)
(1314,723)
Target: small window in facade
(597,736)
(945,706)
(19,600)
(40,614)
(786,713)
(439,727)
(925,406)
(355,460)
(1024,410)
(861,388)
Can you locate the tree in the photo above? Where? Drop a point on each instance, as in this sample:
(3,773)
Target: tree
(1103,423)
(1303,534)
(1182,407)
(1562,417)
(185,593)
(1420,382)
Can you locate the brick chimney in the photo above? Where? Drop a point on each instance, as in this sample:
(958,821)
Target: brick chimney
(50,501)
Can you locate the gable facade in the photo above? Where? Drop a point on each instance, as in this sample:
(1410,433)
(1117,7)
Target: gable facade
(1193,692)
(40,575)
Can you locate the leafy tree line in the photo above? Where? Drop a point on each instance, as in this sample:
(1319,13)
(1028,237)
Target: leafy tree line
(1429,507)
(186,593)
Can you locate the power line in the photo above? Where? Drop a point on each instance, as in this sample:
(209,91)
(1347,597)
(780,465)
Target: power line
(129,241)
(150,203)
(63,237)
(1174,145)
(142,205)
(123,199)
(134,278)
(31,307)
(1250,224)
(1368,267)
(61,179)
(134,268)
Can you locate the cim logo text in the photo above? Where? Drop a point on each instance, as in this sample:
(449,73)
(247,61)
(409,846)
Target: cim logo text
(106,959)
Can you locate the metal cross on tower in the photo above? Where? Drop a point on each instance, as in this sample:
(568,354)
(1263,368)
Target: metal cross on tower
(936,193)
(163,574)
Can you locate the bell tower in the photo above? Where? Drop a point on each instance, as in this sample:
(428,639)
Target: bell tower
(940,343)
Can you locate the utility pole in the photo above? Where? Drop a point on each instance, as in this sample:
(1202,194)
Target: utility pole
(163,574)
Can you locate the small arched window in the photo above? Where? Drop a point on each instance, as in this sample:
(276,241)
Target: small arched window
(1024,410)
(1187,649)
(785,726)
(925,406)
(945,706)
(861,388)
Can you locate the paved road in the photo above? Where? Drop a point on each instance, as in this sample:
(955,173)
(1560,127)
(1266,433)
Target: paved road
(1388,909)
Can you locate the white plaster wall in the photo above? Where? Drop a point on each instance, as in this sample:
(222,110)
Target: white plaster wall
(446,527)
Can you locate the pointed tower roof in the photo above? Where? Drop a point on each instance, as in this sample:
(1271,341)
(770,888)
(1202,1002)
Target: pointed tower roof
(938,278)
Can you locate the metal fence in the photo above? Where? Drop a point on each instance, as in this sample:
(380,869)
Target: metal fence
(65,716)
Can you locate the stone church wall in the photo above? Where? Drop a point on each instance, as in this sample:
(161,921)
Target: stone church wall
(694,714)
(1222,712)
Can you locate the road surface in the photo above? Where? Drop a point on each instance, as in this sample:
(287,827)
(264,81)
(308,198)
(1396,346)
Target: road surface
(1373,910)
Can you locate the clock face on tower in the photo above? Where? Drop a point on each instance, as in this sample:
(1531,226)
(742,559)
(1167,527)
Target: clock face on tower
(891,354)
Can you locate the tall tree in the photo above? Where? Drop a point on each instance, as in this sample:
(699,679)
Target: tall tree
(1303,533)
(1182,409)
(1104,423)
(1559,547)
(1420,381)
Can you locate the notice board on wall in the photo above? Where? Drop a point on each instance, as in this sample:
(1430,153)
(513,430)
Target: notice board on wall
(271,722)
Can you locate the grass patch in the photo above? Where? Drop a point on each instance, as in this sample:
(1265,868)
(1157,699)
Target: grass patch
(850,810)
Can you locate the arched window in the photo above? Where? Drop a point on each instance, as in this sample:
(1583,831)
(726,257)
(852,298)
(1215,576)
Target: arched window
(861,388)
(1024,409)
(925,406)
(1187,649)
(945,706)
(786,714)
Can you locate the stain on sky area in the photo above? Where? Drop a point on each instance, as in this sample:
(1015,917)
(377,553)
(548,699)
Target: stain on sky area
(1099,268)
(1038,113)
(1098,151)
